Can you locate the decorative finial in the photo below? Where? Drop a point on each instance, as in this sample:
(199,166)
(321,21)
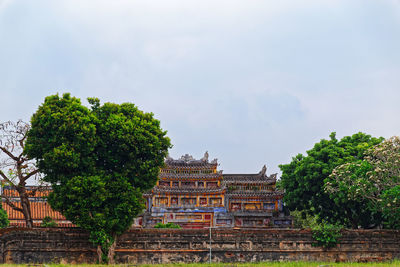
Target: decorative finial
(263,171)
(205,157)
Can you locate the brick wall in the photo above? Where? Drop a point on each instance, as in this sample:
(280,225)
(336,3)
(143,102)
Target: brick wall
(183,245)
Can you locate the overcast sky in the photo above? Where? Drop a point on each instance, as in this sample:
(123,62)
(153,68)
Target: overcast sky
(253,82)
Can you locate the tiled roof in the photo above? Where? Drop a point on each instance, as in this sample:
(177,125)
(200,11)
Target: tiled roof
(249,177)
(248,181)
(39,207)
(33,191)
(39,210)
(187,160)
(21,223)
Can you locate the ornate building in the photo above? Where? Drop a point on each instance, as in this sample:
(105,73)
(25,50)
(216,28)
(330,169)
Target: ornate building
(194,194)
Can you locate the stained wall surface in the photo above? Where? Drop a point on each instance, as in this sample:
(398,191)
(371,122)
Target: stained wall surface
(184,245)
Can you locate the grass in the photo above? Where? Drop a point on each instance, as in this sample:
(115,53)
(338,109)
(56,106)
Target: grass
(261,264)
(283,264)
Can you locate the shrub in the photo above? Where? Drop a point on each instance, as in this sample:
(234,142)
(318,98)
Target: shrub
(48,222)
(325,234)
(302,220)
(167,225)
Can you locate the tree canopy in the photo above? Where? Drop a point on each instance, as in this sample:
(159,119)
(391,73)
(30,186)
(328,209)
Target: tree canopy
(304,177)
(375,179)
(98,160)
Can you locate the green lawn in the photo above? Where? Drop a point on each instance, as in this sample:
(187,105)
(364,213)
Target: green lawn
(282,264)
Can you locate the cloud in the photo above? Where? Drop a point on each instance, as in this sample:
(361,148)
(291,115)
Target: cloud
(4,4)
(252,82)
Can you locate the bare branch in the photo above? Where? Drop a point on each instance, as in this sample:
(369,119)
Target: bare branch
(31,174)
(9,153)
(11,204)
(6,178)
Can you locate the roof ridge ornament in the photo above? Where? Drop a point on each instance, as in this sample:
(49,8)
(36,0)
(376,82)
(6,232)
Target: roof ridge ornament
(205,157)
(187,158)
(263,171)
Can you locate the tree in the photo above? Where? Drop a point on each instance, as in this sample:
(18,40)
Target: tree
(99,161)
(15,167)
(375,179)
(303,180)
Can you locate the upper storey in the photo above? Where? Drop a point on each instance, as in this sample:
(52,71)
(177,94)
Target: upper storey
(257,178)
(255,183)
(189,173)
(187,165)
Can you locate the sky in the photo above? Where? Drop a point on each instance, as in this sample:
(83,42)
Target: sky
(251,82)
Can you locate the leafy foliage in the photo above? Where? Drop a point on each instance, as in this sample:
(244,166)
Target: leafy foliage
(302,220)
(48,222)
(325,234)
(375,179)
(4,222)
(167,225)
(98,160)
(303,180)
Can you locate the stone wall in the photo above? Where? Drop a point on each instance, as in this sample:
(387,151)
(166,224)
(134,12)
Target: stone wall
(183,245)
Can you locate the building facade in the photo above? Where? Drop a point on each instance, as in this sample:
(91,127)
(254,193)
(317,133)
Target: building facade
(189,192)
(195,194)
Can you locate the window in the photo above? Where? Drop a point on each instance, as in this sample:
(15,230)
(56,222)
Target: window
(252,206)
(200,184)
(236,206)
(174,200)
(190,184)
(269,206)
(188,201)
(175,184)
(161,201)
(215,201)
(203,201)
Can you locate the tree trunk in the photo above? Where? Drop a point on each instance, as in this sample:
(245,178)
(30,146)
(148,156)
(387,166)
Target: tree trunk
(111,251)
(26,208)
(99,254)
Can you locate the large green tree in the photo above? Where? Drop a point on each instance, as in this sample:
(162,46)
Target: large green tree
(98,160)
(304,177)
(375,179)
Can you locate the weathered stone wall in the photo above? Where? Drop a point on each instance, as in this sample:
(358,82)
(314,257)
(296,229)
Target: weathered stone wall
(21,245)
(183,245)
